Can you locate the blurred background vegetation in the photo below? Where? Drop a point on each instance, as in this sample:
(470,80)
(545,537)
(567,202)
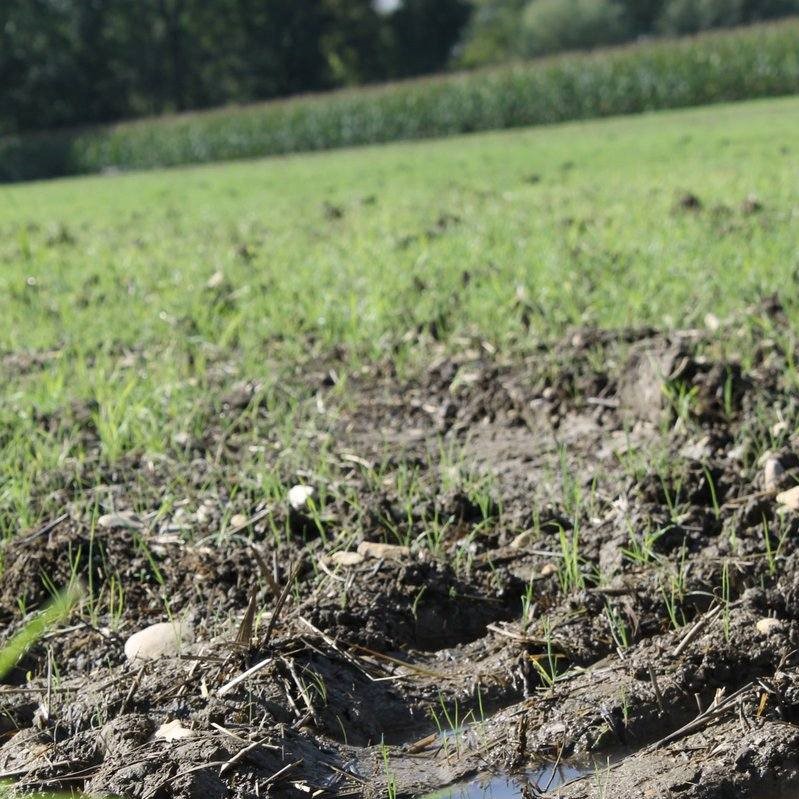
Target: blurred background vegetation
(499,30)
(83,62)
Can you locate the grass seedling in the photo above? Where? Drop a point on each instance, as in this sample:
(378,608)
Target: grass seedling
(725,598)
(314,510)
(773,555)
(674,593)
(55,612)
(676,616)
(416,600)
(618,628)
(570,573)
(625,707)
(435,534)
(316,684)
(641,549)
(713,495)
(548,672)
(602,779)
(528,605)
(570,487)
(391,780)
(453,720)
(728,395)
(682,400)
(672,498)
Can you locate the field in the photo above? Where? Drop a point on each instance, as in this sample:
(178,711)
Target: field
(456,463)
(756,61)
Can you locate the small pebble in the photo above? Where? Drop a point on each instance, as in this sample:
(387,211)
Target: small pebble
(238,520)
(772,471)
(299,496)
(173,731)
(769,625)
(521,541)
(712,322)
(346,558)
(789,498)
(376,551)
(216,280)
(119,521)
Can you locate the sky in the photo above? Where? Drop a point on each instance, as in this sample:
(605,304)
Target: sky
(386,6)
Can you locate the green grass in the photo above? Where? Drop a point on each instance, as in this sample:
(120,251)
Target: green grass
(758,61)
(509,238)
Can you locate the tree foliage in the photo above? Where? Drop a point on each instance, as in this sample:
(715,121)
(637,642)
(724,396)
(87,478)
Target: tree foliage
(503,29)
(66,62)
(552,25)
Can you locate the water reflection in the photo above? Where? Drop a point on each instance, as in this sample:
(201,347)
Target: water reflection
(542,779)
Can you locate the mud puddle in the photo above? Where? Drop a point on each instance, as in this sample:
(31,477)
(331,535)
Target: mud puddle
(531,783)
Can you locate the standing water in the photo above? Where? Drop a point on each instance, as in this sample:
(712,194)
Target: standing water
(546,778)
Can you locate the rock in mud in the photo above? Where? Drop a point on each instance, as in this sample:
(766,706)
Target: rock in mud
(173,731)
(768,626)
(156,641)
(119,521)
(377,551)
(789,498)
(346,558)
(772,471)
(522,540)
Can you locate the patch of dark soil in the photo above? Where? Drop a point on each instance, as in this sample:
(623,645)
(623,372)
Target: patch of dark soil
(422,605)
(688,202)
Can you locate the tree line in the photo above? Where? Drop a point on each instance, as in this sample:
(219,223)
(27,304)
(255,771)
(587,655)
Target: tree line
(68,62)
(78,62)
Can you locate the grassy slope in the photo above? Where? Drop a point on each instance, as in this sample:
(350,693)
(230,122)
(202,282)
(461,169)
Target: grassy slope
(332,249)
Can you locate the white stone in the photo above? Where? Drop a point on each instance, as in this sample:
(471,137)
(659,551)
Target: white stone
(712,322)
(216,280)
(173,731)
(789,498)
(299,496)
(522,540)
(768,625)
(772,471)
(164,639)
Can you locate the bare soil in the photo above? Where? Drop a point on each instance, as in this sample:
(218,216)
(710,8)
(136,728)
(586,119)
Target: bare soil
(478,651)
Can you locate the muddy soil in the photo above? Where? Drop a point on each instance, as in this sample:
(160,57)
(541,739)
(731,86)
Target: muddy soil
(591,561)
